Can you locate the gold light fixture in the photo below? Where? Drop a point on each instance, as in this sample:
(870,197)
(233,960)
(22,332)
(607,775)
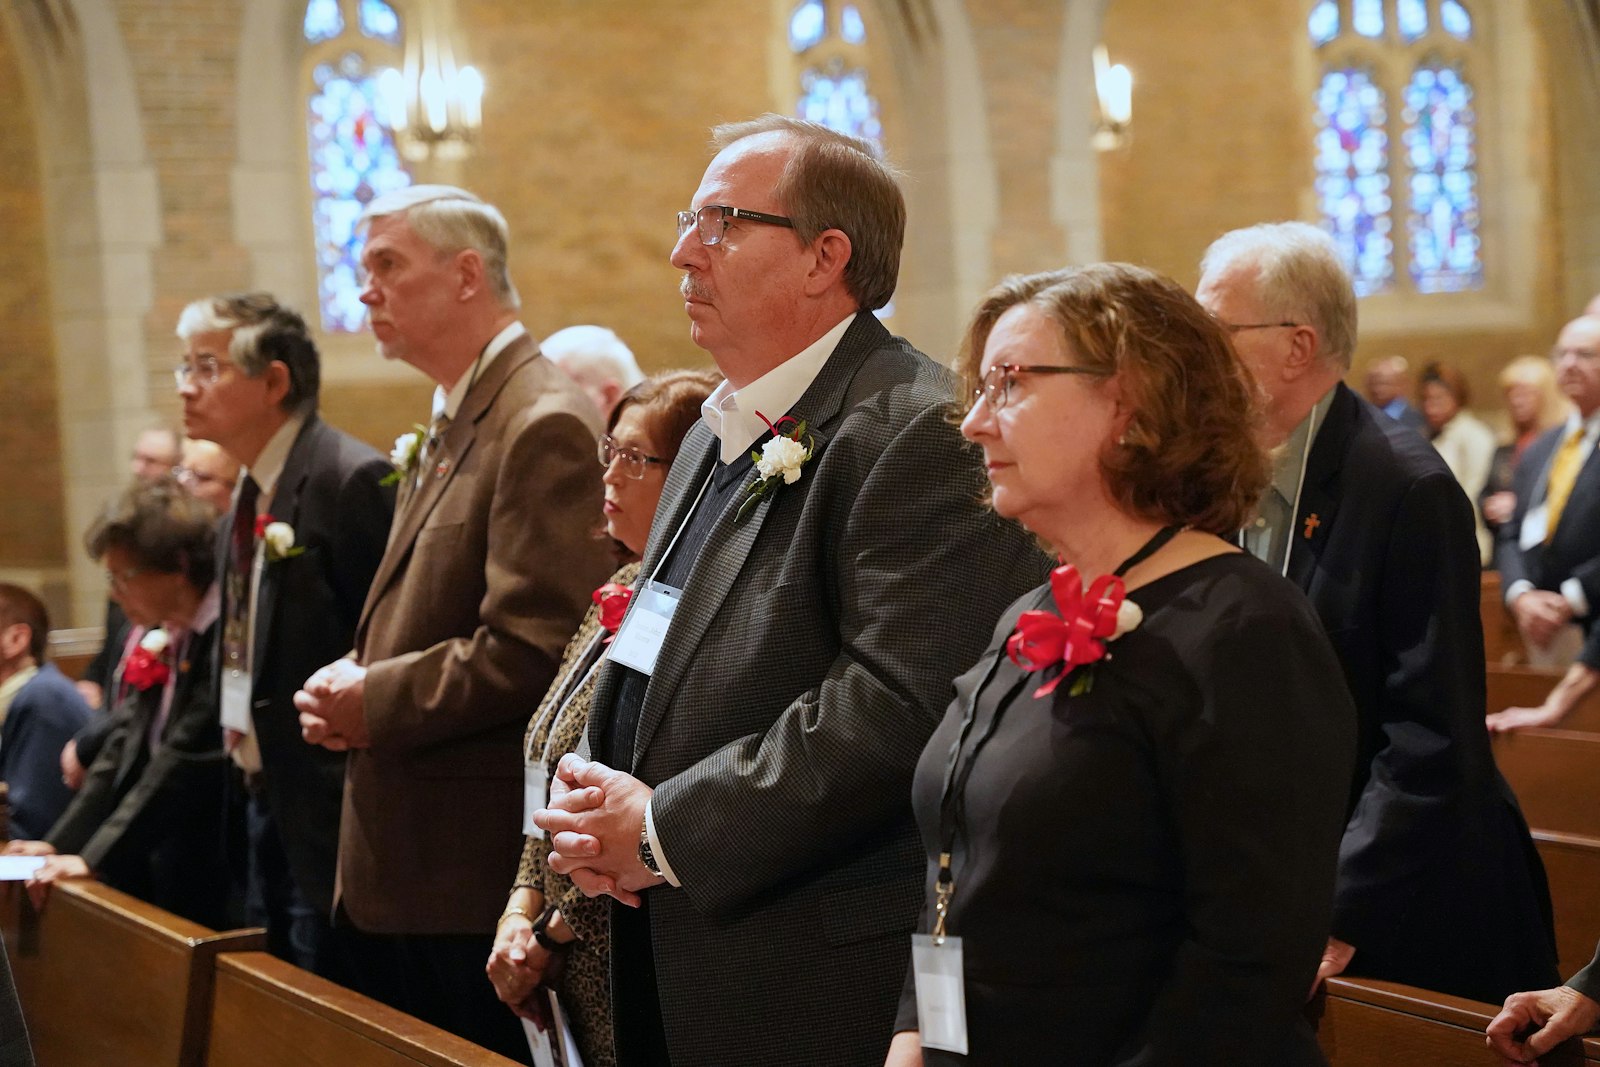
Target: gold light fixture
(1113,87)
(434,107)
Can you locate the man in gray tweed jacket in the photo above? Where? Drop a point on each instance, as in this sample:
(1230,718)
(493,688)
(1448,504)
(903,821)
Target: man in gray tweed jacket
(750,794)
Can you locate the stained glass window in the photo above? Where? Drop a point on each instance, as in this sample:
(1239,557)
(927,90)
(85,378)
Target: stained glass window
(353,159)
(324,20)
(1412,17)
(1454,18)
(379,21)
(1353,175)
(1366,16)
(807,25)
(851,28)
(837,97)
(1442,222)
(1324,22)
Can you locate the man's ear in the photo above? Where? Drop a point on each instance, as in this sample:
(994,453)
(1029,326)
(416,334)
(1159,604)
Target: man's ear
(832,251)
(470,276)
(278,381)
(14,641)
(1304,349)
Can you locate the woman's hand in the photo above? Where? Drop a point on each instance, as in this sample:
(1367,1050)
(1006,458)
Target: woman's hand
(517,962)
(905,1050)
(28,848)
(55,868)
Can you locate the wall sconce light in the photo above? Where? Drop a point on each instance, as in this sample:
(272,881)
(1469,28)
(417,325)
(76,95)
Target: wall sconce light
(434,107)
(1113,87)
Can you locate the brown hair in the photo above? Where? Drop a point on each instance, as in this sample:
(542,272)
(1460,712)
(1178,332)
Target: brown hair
(1192,450)
(1454,382)
(163,528)
(671,401)
(18,605)
(836,182)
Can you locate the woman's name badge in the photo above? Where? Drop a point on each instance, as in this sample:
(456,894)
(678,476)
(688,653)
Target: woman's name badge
(941,994)
(236,701)
(535,794)
(638,642)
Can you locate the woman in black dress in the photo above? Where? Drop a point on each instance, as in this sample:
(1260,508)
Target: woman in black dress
(1133,807)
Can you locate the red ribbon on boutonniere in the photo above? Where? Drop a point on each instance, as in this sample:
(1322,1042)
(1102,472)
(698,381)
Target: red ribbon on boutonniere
(263,520)
(613,599)
(1076,638)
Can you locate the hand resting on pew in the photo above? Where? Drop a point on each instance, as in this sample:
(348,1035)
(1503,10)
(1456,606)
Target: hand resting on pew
(54,870)
(1558,1013)
(1335,958)
(1576,684)
(28,848)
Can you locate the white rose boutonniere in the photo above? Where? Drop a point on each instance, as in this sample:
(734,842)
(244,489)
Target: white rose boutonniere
(779,460)
(154,641)
(405,453)
(277,540)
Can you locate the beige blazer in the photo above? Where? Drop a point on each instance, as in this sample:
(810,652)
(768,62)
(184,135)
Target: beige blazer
(488,572)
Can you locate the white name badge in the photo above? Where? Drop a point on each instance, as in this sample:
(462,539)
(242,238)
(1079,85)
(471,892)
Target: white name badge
(535,795)
(649,614)
(941,994)
(236,701)
(1535,525)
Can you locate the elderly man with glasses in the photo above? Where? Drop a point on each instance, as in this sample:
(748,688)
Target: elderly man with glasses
(249,382)
(819,569)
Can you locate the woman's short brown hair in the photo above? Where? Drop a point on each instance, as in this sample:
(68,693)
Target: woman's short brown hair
(1452,380)
(163,528)
(671,406)
(1192,452)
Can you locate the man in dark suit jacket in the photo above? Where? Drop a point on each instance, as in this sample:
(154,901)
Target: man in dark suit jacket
(41,709)
(761,798)
(249,382)
(488,572)
(1439,884)
(1548,555)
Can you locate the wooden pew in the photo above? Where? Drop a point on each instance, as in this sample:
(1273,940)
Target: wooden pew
(1556,776)
(1572,864)
(1366,1023)
(267,1013)
(1502,644)
(107,979)
(1526,687)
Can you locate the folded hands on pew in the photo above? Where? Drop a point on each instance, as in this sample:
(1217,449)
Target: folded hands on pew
(56,867)
(594,819)
(332,708)
(1558,1014)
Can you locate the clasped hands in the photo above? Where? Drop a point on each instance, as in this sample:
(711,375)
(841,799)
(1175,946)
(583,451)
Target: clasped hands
(332,707)
(593,819)
(1539,613)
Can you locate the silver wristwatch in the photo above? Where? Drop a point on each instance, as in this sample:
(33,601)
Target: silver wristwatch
(647,855)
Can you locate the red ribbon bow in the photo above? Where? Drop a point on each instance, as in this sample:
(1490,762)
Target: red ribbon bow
(613,599)
(1078,636)
(263,520)
(145,669)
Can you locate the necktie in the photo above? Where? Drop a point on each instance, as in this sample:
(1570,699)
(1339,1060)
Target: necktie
(430,447)
(237,586)
(1563,474)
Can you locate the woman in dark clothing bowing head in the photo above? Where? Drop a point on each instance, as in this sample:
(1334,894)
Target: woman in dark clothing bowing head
(1133,807)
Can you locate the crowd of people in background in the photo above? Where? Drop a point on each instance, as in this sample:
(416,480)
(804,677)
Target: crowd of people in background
(1104,695)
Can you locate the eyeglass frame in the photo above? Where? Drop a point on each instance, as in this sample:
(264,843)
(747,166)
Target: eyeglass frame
(987,392)
(724,213)
(1239,327)
(184,371)
(120,579)
(634,462)
(180,472)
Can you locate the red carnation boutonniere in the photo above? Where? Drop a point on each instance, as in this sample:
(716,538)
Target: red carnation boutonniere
(613,599)
(147,665)
(1077,638)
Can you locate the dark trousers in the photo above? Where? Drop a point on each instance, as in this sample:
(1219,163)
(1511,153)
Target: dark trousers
(636,1008)
(297,930)
(439,978)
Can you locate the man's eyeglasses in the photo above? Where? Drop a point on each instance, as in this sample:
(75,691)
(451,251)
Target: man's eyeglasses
(997,381)
(634,462)
(1236,327)
(120,579)
(711,221)
(190,476)
(203,371)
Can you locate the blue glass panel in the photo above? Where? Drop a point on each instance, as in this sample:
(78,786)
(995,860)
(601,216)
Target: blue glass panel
(1442,223)
(1324,22)
(1454,18)
(838,98)
(1412,16)
(324,21)
(353,159)
(1367,17)
(1352,156)
(379,20)
(851,28)
(807,25)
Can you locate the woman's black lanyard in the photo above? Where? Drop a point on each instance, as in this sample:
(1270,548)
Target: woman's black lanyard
(952,801)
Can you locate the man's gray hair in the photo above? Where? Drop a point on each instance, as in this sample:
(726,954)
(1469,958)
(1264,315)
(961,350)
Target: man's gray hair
(593,352)
(1300,277)
(263,330)
(452,220)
